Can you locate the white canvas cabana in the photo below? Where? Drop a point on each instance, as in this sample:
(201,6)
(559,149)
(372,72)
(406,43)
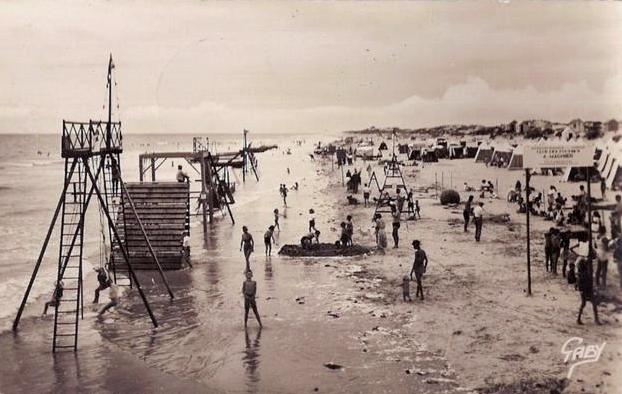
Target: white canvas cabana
(484,153)
(516,161)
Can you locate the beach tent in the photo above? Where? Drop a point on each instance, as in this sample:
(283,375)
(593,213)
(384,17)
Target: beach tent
(457,151)
(383,146)
(516,161)
(484,153)
(429,156)
(501,153)
(442,152)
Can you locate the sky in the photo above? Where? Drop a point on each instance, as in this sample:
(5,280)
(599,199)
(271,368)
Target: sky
(307,67)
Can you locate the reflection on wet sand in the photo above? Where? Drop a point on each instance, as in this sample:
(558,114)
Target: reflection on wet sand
(250,361)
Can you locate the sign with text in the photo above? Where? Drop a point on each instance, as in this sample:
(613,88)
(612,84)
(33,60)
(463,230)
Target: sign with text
(552,155)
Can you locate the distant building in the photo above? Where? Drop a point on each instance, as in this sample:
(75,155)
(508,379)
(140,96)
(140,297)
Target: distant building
(612,125)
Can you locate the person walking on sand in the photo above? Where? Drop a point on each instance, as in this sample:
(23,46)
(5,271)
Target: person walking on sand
(249,291)
(478,219)
(268,239)
(586,289)
(467,212)
(395,214)
(276,219)
(114,299)
(248,244)
(417,209)
(57,295)
(420,265)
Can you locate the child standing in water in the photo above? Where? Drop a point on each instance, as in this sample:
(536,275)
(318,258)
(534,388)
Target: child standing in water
(248,245)
(268,238)
(249,290)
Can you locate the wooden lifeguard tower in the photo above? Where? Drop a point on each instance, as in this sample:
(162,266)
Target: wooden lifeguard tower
(92,167)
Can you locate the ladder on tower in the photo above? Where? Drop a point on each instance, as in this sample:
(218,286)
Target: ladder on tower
(114,201)
(67,310)
(392,170)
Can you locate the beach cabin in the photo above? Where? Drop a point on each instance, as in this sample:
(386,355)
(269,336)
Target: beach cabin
(484,153)
(429,156)
(516,161)
(501,155)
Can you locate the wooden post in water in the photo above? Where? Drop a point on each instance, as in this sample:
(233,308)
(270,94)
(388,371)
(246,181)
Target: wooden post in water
(153,170)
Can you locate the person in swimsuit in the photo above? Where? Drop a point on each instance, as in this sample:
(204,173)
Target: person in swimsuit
(312,228)
(249,290)
(248,245)
(268,239)
(56,297)
(395,214)
(276,219)
(350,229)
(366,194)
(419,267)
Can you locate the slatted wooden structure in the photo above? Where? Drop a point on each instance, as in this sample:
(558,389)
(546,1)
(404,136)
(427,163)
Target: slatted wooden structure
(163,209)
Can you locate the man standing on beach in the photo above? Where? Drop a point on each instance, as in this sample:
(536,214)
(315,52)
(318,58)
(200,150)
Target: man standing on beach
(395,214)
(586,288)
(419,267)
(478,218)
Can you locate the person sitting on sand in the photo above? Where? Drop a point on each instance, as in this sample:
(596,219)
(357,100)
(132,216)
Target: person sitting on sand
(420,265)
(308,239)
(268,239)
(248,244)
(249,291)
(57,294)
(406,288)
(104,282)
(467,188)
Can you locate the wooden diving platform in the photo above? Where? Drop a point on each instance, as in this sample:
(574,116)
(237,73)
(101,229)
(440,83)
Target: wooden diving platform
(163,209)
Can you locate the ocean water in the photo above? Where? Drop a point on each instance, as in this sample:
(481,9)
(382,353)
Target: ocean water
(31,179)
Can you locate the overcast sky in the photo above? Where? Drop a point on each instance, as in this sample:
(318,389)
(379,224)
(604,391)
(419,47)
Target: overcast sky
(200,67)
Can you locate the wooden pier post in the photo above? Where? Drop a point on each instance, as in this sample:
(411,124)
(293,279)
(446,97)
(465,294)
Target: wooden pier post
(153,170)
